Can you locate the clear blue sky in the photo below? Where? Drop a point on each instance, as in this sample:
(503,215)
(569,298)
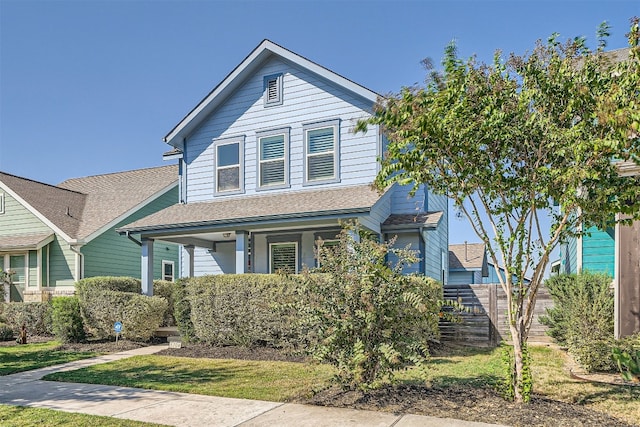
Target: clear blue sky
(91,87)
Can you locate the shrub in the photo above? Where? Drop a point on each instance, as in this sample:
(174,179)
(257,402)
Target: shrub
(182,311)
(582,318)
(142,315)
(6,333)
(107,283)
(239,309)
(66,319)
(369,318)
(35,315)
(166,290)
(106,300)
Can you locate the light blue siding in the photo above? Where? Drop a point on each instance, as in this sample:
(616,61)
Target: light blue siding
(461,277)
(402,202)
(437,241)
(307,98)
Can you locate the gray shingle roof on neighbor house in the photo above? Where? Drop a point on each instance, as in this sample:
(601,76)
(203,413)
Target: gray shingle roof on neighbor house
(60,206)
(80,207)
(467,256)
(112,195)
(24,241)
(264,207)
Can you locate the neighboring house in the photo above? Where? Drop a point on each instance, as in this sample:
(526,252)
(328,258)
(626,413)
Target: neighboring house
(467,264)
(52,236)
(470,265)
(593,251)
(270,164)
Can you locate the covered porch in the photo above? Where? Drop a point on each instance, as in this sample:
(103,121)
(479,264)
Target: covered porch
(256,234)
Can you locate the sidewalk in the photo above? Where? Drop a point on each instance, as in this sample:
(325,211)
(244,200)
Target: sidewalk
(181,409)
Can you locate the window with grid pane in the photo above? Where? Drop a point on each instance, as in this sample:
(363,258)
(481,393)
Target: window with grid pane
(272,160)
(321,154)
(284,257)
(228,167)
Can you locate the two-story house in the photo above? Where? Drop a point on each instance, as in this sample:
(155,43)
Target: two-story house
(270,163)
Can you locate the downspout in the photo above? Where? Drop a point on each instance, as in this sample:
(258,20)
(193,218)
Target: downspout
(130,237)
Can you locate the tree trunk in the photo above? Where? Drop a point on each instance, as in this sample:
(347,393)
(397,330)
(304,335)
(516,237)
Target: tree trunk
(518,361)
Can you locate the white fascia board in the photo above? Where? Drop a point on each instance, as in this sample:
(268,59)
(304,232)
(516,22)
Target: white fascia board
(37,214)
(131,211)
(176,136)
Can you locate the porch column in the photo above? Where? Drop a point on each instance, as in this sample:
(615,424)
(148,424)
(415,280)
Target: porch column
(189,264)
(242,253)
(147,267)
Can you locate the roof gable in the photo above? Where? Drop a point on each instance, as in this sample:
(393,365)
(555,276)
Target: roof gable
(246,68)
(60,209)
(80,209)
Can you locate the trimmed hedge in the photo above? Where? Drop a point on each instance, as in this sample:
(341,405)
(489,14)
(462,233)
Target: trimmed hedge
(167,290)
(239,309)
(67,320)
(35,315)
(106,300)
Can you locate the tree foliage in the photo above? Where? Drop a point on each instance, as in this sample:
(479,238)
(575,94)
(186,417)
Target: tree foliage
(368,318)
(507,140)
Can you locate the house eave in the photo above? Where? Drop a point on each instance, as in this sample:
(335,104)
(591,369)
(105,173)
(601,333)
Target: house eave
(231,223)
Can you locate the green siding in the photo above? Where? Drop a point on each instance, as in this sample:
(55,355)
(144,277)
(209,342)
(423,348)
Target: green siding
(598,251)
(61,263)
(44,269)
(113,255)
(33,269)
(17,219)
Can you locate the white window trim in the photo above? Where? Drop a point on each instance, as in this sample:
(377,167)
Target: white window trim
(228,141)
(1,203)
(265,134)
(296,246)
(173,270)
(335,124)
(278,78)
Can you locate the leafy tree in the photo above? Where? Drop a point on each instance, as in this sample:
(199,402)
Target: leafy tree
(506,140)
(368,318)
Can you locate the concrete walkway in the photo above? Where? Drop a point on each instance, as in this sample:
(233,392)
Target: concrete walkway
(181,409)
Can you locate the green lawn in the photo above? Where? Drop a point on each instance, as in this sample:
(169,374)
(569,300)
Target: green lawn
(20,416)
(26,357)
(274,381)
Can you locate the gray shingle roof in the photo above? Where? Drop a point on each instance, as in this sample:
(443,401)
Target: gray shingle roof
(23,241)
(62,207)
(112,195)
(264,207)
(81,206)
(473,258)
(423,219)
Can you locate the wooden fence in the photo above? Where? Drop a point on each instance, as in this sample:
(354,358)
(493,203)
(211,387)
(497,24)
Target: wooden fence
(485,323)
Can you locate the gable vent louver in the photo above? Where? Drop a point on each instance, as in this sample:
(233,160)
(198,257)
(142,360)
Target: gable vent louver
(272,90)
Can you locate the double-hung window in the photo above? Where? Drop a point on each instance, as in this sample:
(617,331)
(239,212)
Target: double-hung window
(321,152)
(273,159)
(228,165)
